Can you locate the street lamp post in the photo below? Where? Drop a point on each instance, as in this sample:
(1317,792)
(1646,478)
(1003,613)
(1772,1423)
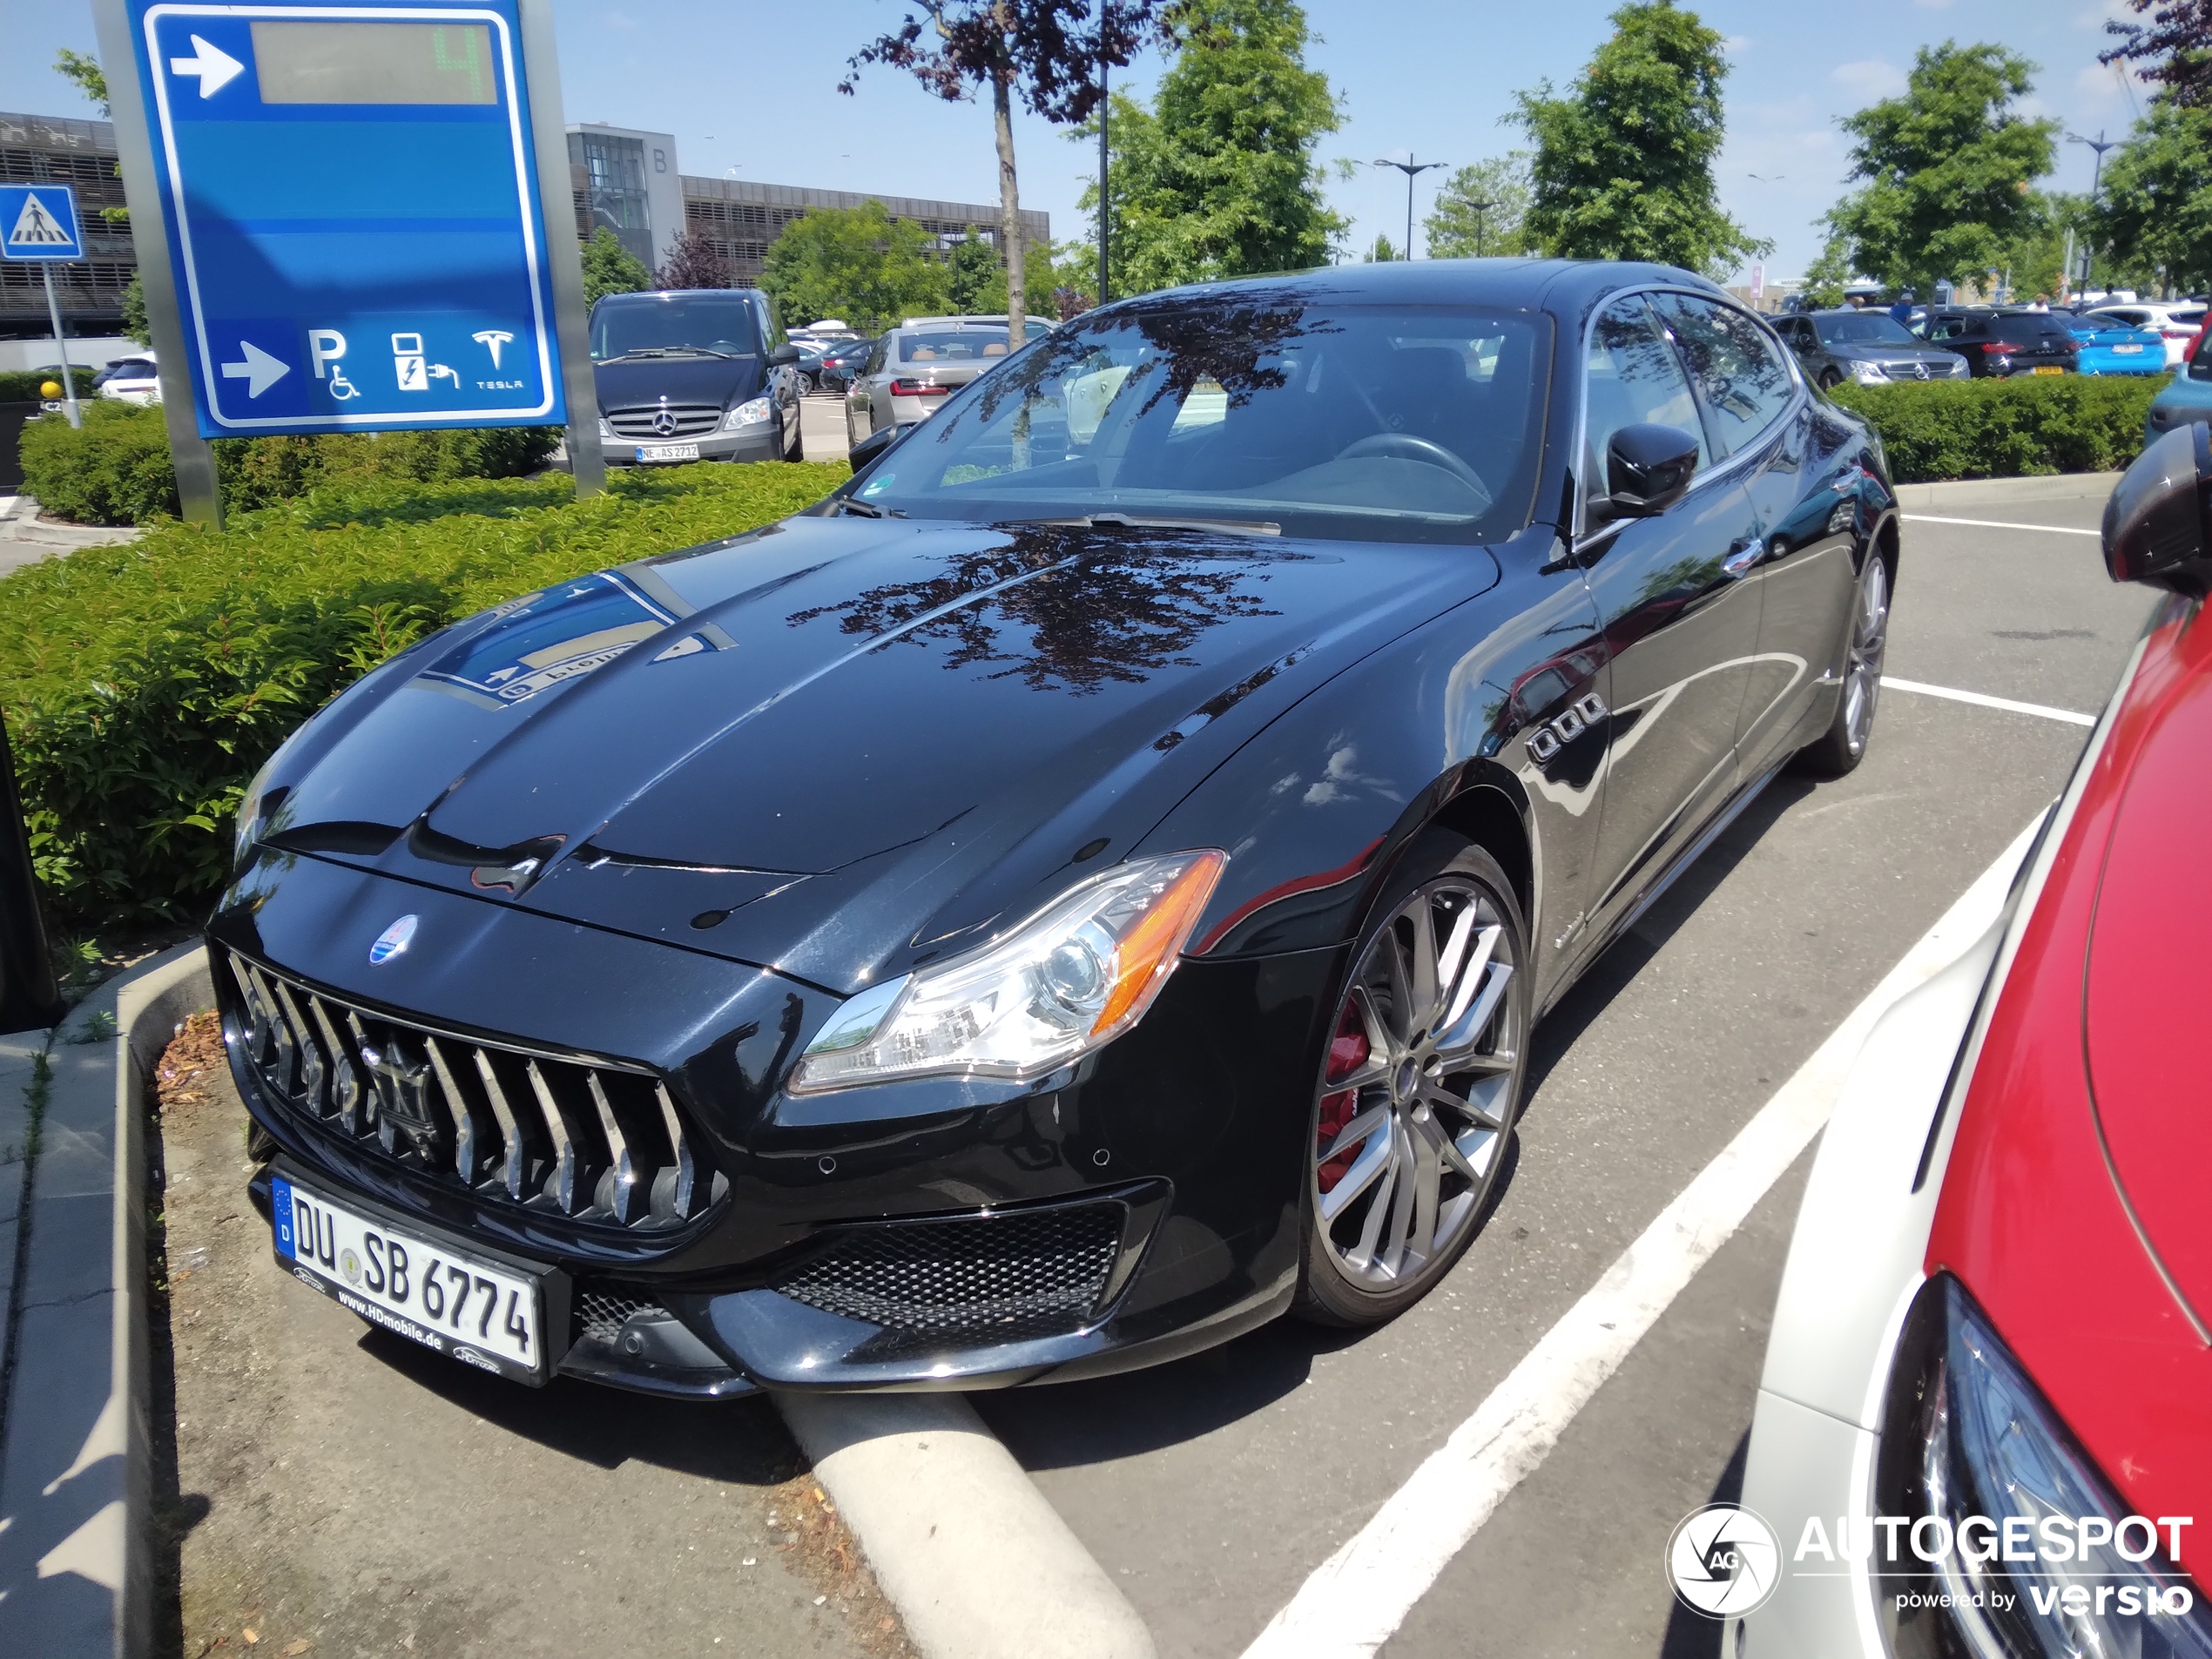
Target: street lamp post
(1409,167)
(1480,210)
(2098,144)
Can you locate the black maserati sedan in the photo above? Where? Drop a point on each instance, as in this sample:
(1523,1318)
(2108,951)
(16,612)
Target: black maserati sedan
(1083,889)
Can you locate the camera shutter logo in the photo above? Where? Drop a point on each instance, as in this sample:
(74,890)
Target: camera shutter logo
(1723,1560)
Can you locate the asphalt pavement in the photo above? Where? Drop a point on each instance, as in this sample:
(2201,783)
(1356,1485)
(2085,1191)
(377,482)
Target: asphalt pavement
(1211,1489)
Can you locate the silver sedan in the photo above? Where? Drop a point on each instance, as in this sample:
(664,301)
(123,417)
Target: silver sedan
(916,365)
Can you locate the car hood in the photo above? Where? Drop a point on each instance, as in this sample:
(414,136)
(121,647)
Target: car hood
(626,383)
(2148,979)
(840,744)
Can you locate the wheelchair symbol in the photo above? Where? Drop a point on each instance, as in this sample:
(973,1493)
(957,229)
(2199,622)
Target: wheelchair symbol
(340,387)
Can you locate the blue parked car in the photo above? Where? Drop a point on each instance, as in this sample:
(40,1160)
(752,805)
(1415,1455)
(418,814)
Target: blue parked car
(2107,345)
(2190,398)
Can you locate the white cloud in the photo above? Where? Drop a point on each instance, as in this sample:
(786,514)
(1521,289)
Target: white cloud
(1869,78)
(1736,45)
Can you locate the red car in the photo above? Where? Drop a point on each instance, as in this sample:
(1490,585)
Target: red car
(1985,1425)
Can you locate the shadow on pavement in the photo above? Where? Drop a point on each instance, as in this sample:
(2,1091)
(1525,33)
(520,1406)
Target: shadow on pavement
(742,1441)
(1692,1636)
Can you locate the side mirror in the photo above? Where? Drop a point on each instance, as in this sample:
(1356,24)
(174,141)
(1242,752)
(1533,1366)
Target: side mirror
(30,1001)
(784,353)
(2158,524)
(873,448)
(1648,469)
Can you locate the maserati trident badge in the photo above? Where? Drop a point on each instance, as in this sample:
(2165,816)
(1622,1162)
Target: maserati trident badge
(391,941)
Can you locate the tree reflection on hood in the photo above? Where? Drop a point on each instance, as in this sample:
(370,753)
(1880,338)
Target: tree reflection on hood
(1078,613)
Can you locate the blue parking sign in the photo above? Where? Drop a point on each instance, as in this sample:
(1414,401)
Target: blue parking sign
(39,222)
(353,214)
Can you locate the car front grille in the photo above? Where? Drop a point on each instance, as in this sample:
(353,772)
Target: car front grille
(588,1140)
(997,1278)
(1911,370)
(690,420)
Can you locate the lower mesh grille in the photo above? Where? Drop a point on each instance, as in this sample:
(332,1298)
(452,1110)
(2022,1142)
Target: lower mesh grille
(1007,1278)
(599,1311)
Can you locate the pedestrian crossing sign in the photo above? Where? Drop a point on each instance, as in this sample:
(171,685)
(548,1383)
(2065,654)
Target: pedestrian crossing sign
(39,222)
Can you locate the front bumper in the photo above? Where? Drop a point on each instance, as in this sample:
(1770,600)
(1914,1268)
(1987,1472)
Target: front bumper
(753,444)
(810,1261)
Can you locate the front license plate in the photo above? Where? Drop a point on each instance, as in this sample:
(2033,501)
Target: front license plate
(668,452)
(479,1312)
(2045,370)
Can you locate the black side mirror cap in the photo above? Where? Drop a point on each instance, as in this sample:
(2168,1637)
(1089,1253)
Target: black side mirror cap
(873,448)
(2158,523)
(784,353)
(1648,469)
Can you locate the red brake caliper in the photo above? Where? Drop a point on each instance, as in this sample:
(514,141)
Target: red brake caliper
(1347,1053)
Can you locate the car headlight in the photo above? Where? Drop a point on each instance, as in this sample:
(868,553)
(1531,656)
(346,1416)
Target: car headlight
(752,412)
(2011,1544)
(1073,977)
(1868,374)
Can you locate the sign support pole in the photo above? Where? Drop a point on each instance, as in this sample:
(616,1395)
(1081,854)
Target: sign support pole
(69,381)
(562,252)
(197,490)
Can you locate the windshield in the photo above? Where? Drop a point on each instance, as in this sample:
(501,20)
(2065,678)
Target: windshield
(1864,328)
(1270,413)
(2025,326)
(676,324)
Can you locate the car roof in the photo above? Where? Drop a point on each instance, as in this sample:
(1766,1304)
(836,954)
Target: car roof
(1564,286)
(651,295)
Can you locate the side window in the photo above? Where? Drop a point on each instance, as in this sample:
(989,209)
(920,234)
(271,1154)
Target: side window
(770,332)
(1743,383)
(1632,376)
(876,357)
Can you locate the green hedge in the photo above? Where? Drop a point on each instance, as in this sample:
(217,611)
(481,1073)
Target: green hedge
(116,469)
(2003,429)
(144,684)
(20,385)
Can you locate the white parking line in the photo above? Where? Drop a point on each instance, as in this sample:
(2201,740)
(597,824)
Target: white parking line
(1356,1600)
(1993,525)
(1982,699)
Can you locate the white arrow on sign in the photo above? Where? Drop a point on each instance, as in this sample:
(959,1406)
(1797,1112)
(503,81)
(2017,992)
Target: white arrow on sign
(214,66)
(260,371)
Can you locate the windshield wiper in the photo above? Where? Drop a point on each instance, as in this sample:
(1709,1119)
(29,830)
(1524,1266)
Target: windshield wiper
(867,508)
(1116,520)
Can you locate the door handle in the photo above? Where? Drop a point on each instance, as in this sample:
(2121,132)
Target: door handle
(1741,561)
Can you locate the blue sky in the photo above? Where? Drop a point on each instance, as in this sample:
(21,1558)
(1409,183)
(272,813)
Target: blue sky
(749,89)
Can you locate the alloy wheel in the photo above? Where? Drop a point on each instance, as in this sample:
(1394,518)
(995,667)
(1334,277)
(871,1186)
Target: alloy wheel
(1417,1093)
(1863,664)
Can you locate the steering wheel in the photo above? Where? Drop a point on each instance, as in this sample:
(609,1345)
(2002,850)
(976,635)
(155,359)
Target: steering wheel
(1406,447)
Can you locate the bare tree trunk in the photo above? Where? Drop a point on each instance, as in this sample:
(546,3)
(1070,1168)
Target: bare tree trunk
(1009,208)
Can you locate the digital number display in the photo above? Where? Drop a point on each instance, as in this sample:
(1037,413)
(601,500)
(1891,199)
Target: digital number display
(375,62)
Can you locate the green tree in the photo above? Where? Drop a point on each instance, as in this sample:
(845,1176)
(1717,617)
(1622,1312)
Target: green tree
(135,328)
(1949,167)
(1623,168)
(856,263)
(608,267)
(1456,230)
(1047,52)
(1827,276)
(1220,178)
(1382,253)
(85,74)
(2154,212)
(972,275)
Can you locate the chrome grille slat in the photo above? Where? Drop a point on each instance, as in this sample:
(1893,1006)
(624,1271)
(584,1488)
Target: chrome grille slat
(552,1133)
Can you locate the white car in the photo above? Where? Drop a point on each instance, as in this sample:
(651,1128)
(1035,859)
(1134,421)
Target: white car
(129,379)
(2177,322)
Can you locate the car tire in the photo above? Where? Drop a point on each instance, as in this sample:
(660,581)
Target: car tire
(1839,749)
(1386,1214)
(1830,380)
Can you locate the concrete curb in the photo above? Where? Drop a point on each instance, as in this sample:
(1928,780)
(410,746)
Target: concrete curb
(76,1482)
(978,1564)
(1992,492)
